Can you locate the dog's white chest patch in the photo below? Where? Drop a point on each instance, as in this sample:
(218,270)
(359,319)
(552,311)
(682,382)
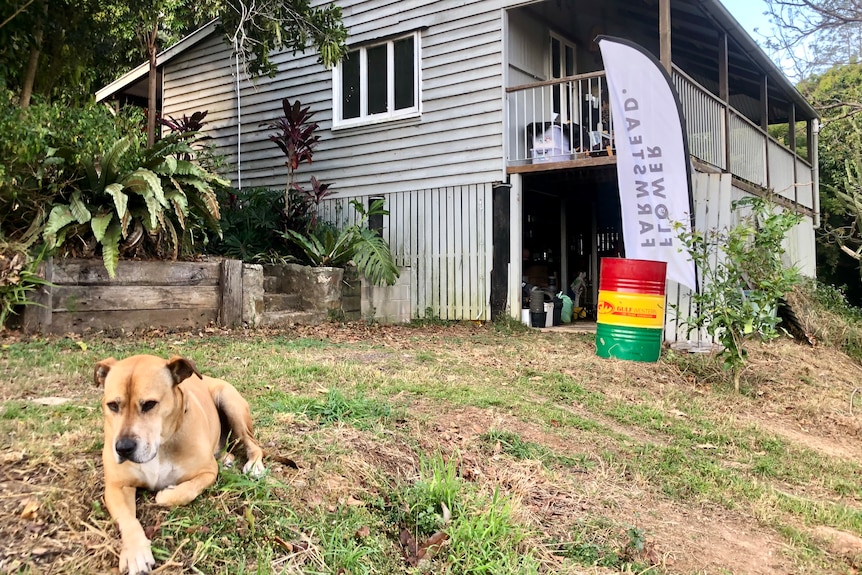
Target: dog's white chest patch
(159,473)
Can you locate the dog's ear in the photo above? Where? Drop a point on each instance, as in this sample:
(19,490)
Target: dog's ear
(182,369)
(102,369)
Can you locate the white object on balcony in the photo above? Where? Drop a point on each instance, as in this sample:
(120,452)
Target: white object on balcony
(551,146)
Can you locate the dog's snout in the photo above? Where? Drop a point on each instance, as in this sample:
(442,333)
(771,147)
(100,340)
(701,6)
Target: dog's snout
(125,447)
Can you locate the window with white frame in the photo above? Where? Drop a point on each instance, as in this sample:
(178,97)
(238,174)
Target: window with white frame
(562,63)
(377,82)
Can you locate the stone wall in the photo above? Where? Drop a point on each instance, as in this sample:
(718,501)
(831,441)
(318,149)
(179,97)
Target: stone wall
(388,304)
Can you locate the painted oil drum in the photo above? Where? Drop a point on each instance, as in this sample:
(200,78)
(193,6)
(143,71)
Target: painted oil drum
(630,319)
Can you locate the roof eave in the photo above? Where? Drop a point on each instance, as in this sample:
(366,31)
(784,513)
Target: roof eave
(163,58)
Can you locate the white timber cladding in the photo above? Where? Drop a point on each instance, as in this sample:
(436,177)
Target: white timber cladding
(201,80)
(434,171)
(456,141)
(714,195)
(441,237)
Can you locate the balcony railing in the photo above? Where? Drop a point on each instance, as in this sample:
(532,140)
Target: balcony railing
(559,120)
(564,120)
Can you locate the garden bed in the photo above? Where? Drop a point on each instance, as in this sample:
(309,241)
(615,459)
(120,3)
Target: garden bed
(187,295)
(168,294)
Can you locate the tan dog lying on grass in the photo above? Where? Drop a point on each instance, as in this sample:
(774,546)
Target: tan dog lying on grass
(165,424)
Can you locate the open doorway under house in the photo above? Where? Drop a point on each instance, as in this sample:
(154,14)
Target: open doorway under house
(569,220)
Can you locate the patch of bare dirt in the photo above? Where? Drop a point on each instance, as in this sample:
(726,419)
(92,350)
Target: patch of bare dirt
(45,515)
(804,394)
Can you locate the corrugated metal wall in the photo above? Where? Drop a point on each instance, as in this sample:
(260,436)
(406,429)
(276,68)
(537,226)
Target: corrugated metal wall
(713,197)
(442,238)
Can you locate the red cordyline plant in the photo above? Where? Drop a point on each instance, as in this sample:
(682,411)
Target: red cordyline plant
(193,123)
(296,138)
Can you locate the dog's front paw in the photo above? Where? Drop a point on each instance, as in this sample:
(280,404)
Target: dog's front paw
(228,459)
(135,559)
(254,467)
(166,497)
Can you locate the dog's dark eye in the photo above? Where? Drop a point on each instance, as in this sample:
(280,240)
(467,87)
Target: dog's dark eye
(148,405)
(114,406)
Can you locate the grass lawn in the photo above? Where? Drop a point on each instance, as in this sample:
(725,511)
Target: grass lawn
(454,449)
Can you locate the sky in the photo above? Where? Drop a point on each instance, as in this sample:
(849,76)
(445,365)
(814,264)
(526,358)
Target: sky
(749,13)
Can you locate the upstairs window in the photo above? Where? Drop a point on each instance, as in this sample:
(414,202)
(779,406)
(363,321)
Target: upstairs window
(377,82)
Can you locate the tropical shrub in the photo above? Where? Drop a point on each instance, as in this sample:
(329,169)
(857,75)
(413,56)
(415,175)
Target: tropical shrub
(296,139)
(743,278)
(154,202)
(320,243)
(18,277)
(251,222)
(31,172)
(357,244)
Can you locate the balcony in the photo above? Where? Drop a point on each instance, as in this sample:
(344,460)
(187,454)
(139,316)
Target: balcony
(561,124)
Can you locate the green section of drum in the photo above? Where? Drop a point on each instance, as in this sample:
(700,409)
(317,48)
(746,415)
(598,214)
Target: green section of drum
(631,343)
(630,310)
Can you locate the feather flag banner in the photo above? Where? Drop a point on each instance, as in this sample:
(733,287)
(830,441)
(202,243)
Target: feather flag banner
(653,166)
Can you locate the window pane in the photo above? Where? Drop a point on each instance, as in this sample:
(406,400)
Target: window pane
(404,74)
(570,61)
(556,72)
(377,80)
(556,66)
(350,86)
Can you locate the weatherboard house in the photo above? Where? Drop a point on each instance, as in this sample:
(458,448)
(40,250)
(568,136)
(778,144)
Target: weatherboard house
(483,126)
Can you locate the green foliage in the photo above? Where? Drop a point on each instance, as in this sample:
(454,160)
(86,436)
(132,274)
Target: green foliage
(481,533)
(512,444)
(836,94)
(829,316)
(425,506)
(831,299)
(279,26)
(127,200)
(81,47)
(358,411)
(18,279)
(742,278)
(489,540)
(250,222)
(600,542)
(846,233)
(355,243)
(32,172)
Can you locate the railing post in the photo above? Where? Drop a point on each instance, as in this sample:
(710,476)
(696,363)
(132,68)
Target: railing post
(230,288)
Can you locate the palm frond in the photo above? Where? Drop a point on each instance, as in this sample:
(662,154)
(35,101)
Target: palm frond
(374,259)
(111,249)
(60,217)
(99,224)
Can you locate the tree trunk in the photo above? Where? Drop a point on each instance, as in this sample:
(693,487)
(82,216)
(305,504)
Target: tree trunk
(152,52)
(32,67)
